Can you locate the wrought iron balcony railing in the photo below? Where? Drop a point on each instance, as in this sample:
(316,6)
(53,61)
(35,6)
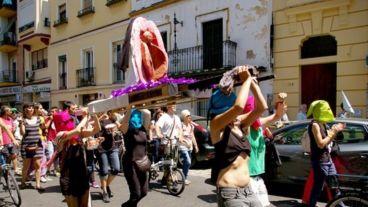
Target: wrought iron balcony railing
(40,64)
(9,38)
(8,76)
(199,59)
(118,76)
(86,77)
(86,10)
(9,4)
(61,20)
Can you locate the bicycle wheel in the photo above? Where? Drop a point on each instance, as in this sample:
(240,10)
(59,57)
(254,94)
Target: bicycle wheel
(175,182)
(348,200)
(13,187)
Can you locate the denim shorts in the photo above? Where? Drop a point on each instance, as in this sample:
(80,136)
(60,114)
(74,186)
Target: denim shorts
(237,197)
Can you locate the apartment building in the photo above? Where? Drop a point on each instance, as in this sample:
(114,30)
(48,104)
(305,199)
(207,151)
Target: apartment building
(10,85)
(208,37)
(33,35)
(86,38)
(320,49)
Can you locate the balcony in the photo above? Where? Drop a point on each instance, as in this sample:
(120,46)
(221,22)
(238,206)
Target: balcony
(111,2)
(8,76)
(86,10)
(60,21)
(118,75)
(62,81)
(86,77)
(26,27)
(8,42)
(40,64)
(8,8)
(197,60)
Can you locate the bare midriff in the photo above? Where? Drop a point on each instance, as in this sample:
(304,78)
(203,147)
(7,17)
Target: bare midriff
(236,174)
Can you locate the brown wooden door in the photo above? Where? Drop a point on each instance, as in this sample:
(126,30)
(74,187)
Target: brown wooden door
(319,83)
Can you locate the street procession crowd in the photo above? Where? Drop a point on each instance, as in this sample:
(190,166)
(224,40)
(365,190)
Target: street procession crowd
(65,142)
(60,141)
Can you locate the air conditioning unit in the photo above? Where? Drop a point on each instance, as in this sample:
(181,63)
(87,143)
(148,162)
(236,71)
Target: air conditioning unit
(30,75)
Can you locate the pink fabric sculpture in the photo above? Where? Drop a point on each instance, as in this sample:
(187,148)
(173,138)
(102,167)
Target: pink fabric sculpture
(149,57)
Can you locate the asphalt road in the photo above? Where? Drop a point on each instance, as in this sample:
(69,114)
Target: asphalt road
(198,194)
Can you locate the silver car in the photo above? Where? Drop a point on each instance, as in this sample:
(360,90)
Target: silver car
(294,165)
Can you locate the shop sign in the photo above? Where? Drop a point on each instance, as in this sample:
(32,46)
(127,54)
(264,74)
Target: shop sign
(37,88)
(10,90)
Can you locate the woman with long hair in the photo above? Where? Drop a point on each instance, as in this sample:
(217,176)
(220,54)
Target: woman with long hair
(229,134)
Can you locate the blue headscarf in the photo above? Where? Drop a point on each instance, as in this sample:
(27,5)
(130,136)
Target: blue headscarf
(136,119)
(219,102)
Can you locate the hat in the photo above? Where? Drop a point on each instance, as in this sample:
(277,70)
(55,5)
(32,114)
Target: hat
(219,102)
(321,111)
(14,110)
(185,113)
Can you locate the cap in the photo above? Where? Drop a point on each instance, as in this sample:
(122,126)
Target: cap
(185,113)
(13,110)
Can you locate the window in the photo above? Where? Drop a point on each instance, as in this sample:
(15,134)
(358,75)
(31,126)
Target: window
(118,75)
(62,72)
(293,134)
(164,38)
(353,133)
(86,4)
(39,59)
(62,12)
(88,58)
(202,107)
(319,47)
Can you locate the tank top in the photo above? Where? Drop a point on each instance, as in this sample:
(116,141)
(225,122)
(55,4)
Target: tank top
(32,132)
(228,149)
(318,154)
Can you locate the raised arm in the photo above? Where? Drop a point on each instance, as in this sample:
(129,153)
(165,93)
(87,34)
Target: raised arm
(331,134)
(220,121)
(124,123)
(146,118)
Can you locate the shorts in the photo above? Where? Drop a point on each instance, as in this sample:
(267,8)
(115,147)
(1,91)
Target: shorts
(259,188)
(9,149)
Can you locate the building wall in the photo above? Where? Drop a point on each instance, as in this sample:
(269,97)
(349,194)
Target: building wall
(96,31)
(346,20)
(247,23)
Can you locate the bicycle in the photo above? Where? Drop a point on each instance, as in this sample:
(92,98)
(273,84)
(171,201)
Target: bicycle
(174,178)
(9,182)
(353,196)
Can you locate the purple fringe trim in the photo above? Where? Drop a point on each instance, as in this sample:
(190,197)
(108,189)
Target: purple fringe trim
(151,84)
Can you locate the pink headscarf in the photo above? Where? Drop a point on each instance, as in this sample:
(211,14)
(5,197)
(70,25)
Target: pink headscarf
(249,106)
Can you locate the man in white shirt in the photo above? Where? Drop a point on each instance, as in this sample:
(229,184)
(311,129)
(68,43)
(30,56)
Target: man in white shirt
(169,126)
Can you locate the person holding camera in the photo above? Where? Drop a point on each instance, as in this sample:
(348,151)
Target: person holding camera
(229,134)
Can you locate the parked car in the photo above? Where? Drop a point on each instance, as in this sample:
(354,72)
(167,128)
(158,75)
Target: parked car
(295,161)
(202,135)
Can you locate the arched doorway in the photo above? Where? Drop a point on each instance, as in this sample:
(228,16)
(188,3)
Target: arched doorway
(318,81)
